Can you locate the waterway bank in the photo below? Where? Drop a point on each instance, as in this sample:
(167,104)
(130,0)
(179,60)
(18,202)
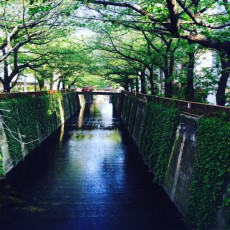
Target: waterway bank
(90,176)
(188,155)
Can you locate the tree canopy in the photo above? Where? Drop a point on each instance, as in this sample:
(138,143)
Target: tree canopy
(147,46)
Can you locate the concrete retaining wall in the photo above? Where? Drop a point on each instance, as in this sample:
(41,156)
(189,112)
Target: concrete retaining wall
(67,111)
(180,167)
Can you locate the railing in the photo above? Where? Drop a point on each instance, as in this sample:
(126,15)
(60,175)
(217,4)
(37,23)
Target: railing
(33,94)
(99,93)
(186,107)
(40,93)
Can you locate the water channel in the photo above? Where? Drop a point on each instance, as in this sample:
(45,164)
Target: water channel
(88,175)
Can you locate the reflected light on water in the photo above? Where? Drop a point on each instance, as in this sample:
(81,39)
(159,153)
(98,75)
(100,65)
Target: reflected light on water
(62,114)
(81,116)
(62,132)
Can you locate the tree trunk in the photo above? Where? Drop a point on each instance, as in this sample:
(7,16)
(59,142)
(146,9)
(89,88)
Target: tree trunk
(51,83)
(63,84)
(58,85)
(151,81)
(132,85)
(41,84)
(126,86)
(189,90)
(6,87)
(143,87)
(137,84)
(168,85)
(168,69)
(222,84)
(6,82)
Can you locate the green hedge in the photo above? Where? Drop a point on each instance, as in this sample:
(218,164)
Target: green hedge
(211,172)
(157,137)
(28,118)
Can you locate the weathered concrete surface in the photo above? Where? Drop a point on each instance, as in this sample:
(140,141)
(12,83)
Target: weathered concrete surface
(180,167)
(138,121)
(6,158)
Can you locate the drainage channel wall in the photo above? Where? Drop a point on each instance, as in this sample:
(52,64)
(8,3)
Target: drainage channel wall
(27,121)
(180,166)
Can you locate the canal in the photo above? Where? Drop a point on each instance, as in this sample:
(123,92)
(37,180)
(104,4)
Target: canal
(88,175)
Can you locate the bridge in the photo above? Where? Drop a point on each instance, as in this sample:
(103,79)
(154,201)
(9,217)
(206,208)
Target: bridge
(109,93)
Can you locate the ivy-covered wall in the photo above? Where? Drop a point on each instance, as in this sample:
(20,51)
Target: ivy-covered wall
(197,159)
(211,175)
(27,121)
(157,137)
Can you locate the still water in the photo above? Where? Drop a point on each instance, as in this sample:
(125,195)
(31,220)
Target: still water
(88,175)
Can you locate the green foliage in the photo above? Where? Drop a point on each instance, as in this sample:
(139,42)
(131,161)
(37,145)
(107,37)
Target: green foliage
(157,137)
(11,127)
(211,172)
(27,120)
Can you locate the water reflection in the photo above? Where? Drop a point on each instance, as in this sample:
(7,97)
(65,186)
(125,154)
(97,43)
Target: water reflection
(81,116)
(93,178)
(62,131)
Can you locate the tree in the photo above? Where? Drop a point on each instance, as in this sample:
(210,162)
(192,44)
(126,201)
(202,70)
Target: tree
(25,25)
(199,22)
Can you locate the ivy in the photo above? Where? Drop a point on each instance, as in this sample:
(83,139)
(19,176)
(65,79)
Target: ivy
(29,120)
(11,120)
(157,137)
(211,172)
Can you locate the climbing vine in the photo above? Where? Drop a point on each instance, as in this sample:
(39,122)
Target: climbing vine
(157,137)
(11,121)
(210,189)
(28,120)
(211,172)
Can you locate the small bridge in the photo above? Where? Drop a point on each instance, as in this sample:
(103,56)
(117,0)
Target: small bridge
(109,93)
(89,96)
